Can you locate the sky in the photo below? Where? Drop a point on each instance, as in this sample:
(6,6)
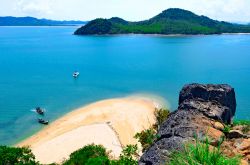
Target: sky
(131,10)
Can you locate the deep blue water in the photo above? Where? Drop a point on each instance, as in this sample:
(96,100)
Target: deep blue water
(36,65)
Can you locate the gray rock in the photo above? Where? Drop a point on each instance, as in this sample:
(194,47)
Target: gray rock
(222,95)
(179,124)
(198,105)
(210,109)
(159,152)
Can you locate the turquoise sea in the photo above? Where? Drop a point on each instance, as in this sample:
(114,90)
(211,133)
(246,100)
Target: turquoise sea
(36,66)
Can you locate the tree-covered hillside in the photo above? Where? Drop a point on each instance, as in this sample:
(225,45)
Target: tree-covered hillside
(31,21)
(171,21)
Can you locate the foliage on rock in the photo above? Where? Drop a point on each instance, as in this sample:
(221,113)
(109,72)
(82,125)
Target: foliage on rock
(161,115)
(226,129)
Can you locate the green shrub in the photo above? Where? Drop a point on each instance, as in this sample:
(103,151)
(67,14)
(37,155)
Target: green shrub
(200,154)
(160,115)
(146,138)
(97,155)
(16,156)
(88,154)
(226,129)
(102,160)
(129,156)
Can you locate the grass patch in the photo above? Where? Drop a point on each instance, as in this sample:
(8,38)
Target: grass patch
(201,154)
(226,129)
(241,122)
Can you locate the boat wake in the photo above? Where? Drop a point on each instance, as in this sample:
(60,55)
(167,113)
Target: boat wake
(33,110)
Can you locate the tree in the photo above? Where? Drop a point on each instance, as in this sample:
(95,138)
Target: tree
(90,154)
(160,115)
(146,138)
(16,156)
(129,156)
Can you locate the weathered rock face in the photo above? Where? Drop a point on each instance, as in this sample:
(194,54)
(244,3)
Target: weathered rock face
(215,101)
(200,106)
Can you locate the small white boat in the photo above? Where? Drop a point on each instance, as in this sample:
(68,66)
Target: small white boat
(76,74)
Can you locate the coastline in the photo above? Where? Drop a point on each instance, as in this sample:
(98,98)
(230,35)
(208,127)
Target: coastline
(111,123)
(162,35)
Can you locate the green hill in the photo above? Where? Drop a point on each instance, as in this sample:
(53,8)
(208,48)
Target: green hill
(31,21)
(171,21)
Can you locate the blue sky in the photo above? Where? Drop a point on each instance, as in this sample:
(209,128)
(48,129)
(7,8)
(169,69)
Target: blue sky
(132,10)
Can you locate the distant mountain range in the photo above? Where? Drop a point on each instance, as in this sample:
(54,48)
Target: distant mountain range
(31,21)
(171,21)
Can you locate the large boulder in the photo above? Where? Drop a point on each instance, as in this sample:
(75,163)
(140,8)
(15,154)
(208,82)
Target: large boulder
(216,101)
(200,106)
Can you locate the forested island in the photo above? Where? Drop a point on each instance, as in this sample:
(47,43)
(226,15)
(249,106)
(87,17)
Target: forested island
(170,21)
(31,21)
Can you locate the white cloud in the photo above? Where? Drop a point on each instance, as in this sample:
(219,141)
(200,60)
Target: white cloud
(227,10)
(38,8)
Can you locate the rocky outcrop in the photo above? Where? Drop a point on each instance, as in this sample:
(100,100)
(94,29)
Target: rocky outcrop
(202,109)
(215,101)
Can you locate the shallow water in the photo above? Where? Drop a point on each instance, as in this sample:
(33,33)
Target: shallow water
(36,66)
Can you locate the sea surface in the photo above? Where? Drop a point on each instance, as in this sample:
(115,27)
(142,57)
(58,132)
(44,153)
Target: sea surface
(36,66)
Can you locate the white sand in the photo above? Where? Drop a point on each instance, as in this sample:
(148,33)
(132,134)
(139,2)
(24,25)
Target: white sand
(62,145)
(112,123)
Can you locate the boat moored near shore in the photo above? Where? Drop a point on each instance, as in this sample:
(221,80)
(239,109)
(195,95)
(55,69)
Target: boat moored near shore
(42,121)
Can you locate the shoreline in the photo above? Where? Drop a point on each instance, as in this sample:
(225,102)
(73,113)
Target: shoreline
(161,35)
(116,119)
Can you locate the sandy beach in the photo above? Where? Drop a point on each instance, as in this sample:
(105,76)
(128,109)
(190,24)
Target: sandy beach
(111,123)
